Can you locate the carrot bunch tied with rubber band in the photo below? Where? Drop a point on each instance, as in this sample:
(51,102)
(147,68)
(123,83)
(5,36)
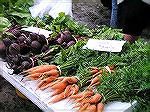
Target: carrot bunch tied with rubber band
(97,74)
(47,77)
(88,101)
(65,87)
(95,71)
(38,69)
(69,90)
(62,87)
(41,72)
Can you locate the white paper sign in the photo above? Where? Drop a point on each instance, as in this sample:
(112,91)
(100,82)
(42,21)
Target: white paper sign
(46,33)
(104,45)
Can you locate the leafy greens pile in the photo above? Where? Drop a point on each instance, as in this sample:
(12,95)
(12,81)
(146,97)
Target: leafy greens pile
(15,12)
(130,80)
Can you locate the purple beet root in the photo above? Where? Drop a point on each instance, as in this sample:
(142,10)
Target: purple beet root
(7,42)
(36,45)
(14,49)
(70,43)
(2,48)
(44,48)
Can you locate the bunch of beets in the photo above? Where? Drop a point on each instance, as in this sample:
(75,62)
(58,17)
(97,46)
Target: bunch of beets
(20,49)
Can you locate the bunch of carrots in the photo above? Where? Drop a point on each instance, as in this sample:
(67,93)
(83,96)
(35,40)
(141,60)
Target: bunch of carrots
(62,87)
(88,101)
(48,76)
(97,74)
(44,73)
(66,87)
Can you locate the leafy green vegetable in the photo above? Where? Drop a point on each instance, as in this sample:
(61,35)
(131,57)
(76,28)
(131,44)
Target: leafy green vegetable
(105,32)
(130,79)
(4,23)
(16,11)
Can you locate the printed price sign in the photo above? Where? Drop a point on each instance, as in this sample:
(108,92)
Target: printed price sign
(104,45)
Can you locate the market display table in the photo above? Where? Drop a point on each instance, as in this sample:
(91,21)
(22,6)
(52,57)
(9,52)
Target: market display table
(41,98)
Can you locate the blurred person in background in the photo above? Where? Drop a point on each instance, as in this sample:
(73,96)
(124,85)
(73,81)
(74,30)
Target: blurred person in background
(133,15)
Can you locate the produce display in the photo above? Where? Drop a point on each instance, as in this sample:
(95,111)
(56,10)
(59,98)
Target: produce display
(21,47)
(90,79)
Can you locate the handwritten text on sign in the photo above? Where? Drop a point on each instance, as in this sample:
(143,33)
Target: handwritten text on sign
(104,45)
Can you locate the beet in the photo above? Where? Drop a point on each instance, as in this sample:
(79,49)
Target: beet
(58,35)
(15,59)
(28,41)
(64,44)
(14,49)
(44,48)
(42,39)
(70,43)
(15,32)
(23,57)
(24,49)
(14,41)
(66,36)
(52,41)
(7,42)
(21,38)
(60,40)
(33,36)
(36,45)
(2,48)
(25,65)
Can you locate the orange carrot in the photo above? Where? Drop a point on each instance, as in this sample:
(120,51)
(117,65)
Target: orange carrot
(56,92)
(74,89)
(61,85)
(67,90)
(53,72)
(97,83)
(71,80)
(60,78)
(91,108)
(98,73)
(47,80)
(85,94)
(34,76)
(82,108)
(94,71)
(44,69)
(100,107)
(43,85)
(36,67)
(78,105)
(95,80)
(50,85)
(57,98)
(94,99)
(49,73)
(79,95)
